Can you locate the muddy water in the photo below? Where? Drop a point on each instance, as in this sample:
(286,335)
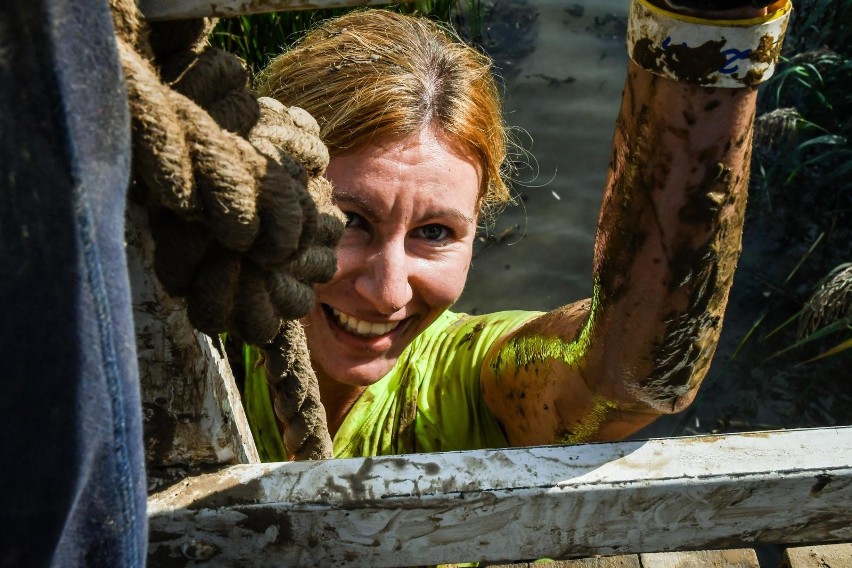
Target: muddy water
(564,66)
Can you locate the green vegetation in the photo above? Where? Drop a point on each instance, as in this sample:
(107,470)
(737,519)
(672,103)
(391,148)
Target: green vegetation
(784,356)
(258,38)
(804,158)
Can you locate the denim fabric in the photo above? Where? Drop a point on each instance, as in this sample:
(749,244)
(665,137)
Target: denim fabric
(72,483)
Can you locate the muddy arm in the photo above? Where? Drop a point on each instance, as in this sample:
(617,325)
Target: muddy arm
(668,239)
(667,244)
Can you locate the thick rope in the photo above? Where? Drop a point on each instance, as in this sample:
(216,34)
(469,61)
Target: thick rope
(242,219)
(296,400)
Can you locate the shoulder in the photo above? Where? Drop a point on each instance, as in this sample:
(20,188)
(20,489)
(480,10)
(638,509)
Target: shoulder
(458,342)
(462,329)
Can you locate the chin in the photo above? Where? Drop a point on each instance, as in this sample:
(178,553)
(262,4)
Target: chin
(362,375)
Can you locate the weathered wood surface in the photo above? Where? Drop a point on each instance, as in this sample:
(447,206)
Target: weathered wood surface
(824,556)
(732,558)
(191,407)
(621,561)
(182,9)
(501,505)
(729,558)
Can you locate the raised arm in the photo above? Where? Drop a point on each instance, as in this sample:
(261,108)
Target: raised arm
(666,248)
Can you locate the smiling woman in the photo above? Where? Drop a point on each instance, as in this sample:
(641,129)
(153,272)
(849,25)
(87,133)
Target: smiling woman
(411,206)
(412,120)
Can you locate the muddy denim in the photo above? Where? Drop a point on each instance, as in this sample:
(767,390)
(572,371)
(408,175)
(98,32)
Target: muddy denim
(72,484)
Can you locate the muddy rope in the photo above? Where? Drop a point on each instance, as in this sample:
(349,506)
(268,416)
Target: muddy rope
(242,219)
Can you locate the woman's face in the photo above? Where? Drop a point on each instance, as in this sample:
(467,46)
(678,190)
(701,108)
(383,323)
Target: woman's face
(411,206)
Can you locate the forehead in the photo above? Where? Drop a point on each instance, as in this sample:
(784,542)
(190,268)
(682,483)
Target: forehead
(422,167)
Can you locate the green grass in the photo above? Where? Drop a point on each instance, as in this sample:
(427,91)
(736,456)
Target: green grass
(258,38)
(803,152)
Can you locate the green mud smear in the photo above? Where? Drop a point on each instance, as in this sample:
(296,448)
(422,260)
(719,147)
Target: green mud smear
(524,351)
(591,422)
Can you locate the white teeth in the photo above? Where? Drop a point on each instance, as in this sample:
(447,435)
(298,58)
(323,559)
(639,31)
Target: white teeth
(363,328)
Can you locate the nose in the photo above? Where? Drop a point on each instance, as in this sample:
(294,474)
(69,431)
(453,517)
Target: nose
(384,280)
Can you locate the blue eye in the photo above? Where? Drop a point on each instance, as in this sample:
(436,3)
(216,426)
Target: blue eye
(434,232)
(354,221)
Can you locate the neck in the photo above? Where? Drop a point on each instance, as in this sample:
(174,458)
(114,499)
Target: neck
(337,398)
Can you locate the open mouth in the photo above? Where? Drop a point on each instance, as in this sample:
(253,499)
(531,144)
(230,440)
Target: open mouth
(361,328)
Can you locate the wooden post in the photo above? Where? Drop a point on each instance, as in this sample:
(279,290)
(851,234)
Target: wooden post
(192,412)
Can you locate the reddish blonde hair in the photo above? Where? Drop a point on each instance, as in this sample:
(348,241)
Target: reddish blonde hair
(375,74)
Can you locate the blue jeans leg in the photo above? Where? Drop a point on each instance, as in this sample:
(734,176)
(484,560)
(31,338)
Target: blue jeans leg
(72,480)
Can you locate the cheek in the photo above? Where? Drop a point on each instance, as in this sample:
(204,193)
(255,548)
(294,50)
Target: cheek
(349,261)
(441,284)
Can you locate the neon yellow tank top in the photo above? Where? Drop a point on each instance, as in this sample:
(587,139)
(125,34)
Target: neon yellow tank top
(429,402)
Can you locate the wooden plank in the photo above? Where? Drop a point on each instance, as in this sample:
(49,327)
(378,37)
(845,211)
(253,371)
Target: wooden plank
(503,505)
(192,410)
(621,561)
(823,556)
(183,9)
(731,558)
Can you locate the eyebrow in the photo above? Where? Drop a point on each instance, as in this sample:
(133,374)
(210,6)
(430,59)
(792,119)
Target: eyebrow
(449,212)
(342,197)
(346,197)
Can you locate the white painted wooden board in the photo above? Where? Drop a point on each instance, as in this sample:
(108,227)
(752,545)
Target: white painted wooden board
(503,505)
(182,9)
